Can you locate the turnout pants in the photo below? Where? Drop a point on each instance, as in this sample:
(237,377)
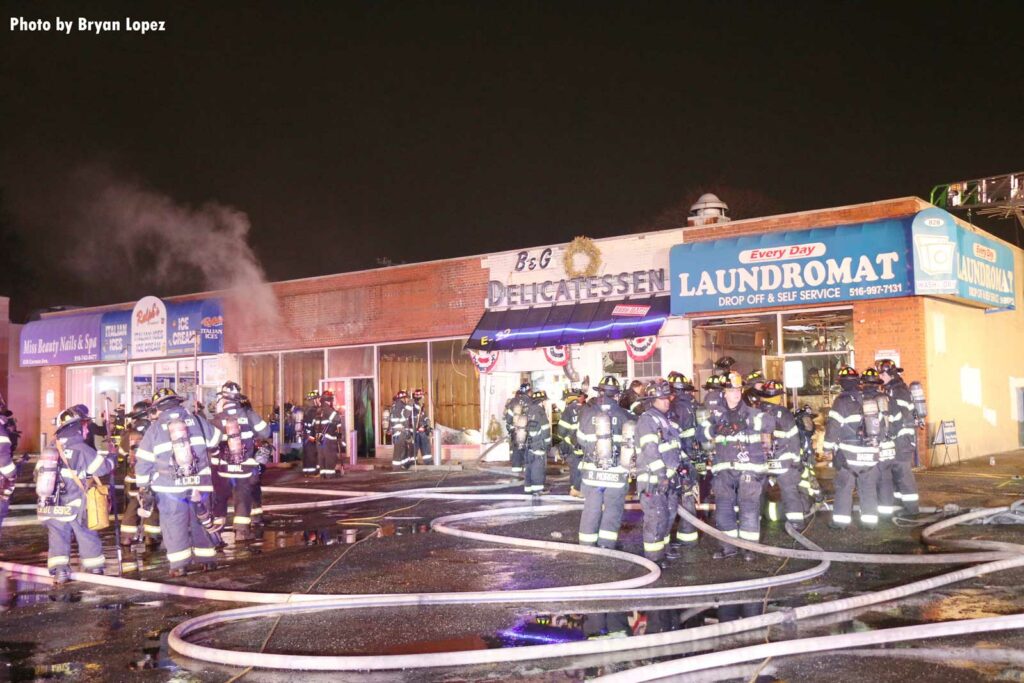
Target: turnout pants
(517,457)
(686,533)
(421,446)
(793,506)
(734,489)
(257,497)
(90,548)
(239,492)
(184,536)
(657,521)
(327,457)
(535,470)
(572,459)
(131,522)
(309,457)
(403,455)
(866,482)
(897,486)
(4,507)
(602,515)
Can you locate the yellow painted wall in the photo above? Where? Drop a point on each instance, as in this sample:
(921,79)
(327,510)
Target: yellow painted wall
(976,372)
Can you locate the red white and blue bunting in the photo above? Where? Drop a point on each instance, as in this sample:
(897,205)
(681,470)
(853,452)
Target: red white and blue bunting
(557,355)
(641,348)
(485,361)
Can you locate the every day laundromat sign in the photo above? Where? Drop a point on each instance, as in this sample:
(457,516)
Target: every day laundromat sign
(824,265)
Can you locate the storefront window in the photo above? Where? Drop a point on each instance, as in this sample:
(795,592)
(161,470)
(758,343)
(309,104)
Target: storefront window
(748,339)
(648,369)
(402,367)
(615,363)
(142,382)
(456,386)
(259,381)
(817,331)
(302,373)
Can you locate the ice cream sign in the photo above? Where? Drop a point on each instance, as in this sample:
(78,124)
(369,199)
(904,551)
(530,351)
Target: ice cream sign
(824,265)
(927,253)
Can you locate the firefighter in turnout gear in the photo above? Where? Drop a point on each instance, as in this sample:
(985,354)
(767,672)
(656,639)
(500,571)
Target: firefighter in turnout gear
(330,435)
(604,430)
(515,426)
(133,527)
(400,428)
(784,465)
(742,436)
(632,400)
(854,458)
(538,442)
(173,471)
(310,426)
(64,473)
(235,469)
(421,429)
(568,424)
(683,412)
(809,486)
(896,477)
(8,468)
(874,397)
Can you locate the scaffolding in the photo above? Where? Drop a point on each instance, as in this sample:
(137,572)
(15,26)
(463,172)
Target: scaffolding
(997,196)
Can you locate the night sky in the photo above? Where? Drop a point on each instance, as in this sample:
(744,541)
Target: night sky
(349,132)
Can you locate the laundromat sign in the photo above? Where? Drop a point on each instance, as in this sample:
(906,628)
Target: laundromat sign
(152,329)
(927,253)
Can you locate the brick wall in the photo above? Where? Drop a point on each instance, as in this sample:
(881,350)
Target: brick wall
(439,299)
(894,324)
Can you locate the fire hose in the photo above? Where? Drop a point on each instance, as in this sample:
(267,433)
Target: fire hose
(290,603)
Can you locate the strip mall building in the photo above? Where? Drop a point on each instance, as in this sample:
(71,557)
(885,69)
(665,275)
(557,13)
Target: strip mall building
(796,295)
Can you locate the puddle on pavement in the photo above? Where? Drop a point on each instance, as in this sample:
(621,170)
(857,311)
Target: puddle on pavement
(337,534)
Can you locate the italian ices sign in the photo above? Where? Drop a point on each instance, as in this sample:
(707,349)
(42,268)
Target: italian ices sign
(927,254)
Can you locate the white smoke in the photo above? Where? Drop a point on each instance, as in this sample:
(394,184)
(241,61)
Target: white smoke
(170,243)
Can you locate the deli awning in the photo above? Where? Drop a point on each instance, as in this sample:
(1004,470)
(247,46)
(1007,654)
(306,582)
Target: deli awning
(529,328)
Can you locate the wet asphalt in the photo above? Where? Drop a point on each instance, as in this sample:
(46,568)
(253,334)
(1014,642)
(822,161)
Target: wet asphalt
(82,632)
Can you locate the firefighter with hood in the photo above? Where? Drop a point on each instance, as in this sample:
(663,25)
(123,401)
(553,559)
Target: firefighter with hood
(605,435)
(515,425)
(683,412)
(421,429)
(8,468)
(173,473)
(854,457)
(568,424)
(538,442)
(133,527)
(64,472)
(235,468)
(907,410)
(400,428)
(784,466)
(309,425)
(742,437)
(330,437)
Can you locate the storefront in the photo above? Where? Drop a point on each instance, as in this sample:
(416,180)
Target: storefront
(796,296)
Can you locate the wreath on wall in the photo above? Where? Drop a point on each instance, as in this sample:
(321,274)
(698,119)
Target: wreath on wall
(586,247)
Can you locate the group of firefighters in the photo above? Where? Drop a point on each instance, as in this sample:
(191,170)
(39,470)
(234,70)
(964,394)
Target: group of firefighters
(181,471)
(739,444)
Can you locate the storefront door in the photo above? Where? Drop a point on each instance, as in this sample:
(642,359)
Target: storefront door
(354,395)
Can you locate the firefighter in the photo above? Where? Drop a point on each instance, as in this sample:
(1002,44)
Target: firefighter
(310,428)
(741,434)
(692,463)
(854,459)
(173,472)
(330,437)
(632,400)
(421,429)
(133,527)
(898,484)
(400,423)
(64,473)
(234,464)
(514,426)
(657,479)
(605,435)
(810,489)
(568,424)
(8,468)
(784,465)
(538,430)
